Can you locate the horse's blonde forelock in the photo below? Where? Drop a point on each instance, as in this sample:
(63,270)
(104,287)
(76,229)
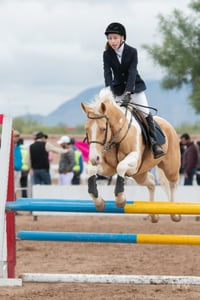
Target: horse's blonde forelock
(105,94)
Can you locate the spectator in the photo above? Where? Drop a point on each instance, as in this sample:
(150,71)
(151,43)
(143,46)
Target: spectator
(50,156)
(78,165)
(198,165)
(17,160)
(39,158)
(25,168)
(66,162)
(190,159)
(181,170)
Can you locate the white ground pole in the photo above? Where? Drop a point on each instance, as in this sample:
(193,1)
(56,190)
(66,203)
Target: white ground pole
(108,279)
(4,171)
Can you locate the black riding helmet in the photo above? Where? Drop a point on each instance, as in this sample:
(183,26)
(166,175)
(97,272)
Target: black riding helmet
(116,28)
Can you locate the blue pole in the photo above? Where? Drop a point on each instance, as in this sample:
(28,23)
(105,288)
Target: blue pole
(78,237)
(58,205)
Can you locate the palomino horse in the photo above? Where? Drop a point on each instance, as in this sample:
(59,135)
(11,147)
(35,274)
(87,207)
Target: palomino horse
(117,146)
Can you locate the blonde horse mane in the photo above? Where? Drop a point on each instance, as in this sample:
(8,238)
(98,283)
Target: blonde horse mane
(104,95)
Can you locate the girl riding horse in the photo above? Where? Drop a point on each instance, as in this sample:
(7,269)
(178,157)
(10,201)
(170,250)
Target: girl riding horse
(121,75)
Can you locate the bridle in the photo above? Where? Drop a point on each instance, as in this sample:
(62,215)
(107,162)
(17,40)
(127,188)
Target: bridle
(103,143)
(107,145)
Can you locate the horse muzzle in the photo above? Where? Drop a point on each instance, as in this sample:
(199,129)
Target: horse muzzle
(95,161)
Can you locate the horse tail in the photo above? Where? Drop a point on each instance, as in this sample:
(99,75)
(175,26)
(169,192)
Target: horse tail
(163,181)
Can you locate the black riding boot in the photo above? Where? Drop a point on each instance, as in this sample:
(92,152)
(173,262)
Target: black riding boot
(156,148)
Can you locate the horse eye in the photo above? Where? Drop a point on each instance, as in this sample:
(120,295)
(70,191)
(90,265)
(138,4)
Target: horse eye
(103,129)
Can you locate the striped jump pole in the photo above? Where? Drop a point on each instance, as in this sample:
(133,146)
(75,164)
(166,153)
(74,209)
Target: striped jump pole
(85,206)
(124,238)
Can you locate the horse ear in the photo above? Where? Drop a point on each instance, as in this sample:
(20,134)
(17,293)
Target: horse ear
(103,108)
(84,107)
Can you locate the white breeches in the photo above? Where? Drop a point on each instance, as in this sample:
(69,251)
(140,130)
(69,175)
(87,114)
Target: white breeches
(138,98)
(17,176)
(65,179)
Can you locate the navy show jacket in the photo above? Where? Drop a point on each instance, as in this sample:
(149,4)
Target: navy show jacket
(124,76)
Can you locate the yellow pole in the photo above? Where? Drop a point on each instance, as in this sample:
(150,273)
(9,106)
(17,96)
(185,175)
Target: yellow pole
(187,208)
(168,239)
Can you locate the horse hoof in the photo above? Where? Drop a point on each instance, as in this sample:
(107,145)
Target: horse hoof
(154,218)
(175,218)
(100,204)
(120,200)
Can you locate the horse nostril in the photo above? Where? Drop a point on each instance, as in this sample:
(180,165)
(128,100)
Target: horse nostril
(95,161)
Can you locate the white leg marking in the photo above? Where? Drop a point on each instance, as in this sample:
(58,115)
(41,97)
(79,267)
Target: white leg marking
(130,162)
(91,170)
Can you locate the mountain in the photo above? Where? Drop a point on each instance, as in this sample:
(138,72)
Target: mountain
(172,105)
(70,112)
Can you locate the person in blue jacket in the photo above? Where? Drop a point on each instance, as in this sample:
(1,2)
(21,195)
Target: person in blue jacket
(17,160)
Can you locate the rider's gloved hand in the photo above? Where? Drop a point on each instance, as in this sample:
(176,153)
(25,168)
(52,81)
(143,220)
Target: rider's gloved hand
(126,99)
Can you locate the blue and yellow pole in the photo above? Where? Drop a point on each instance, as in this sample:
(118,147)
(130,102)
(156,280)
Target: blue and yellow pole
(86,206)
(125,238)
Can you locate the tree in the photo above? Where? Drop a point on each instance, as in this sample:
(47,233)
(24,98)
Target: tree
(24,125)
(179,53)
(28,125)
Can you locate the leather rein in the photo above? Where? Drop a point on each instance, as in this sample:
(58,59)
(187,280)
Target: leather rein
(107,145)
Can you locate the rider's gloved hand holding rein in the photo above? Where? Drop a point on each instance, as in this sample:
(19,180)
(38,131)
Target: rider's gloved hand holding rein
(127,98)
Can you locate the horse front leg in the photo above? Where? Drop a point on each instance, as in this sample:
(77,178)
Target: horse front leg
(120,198)
(128,165)
(92,188)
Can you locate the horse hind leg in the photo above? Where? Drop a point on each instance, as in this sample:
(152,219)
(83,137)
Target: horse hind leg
(151,188)
(169,187)
(149,181)
(174,217)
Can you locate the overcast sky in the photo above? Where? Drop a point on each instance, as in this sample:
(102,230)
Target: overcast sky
(51,50)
